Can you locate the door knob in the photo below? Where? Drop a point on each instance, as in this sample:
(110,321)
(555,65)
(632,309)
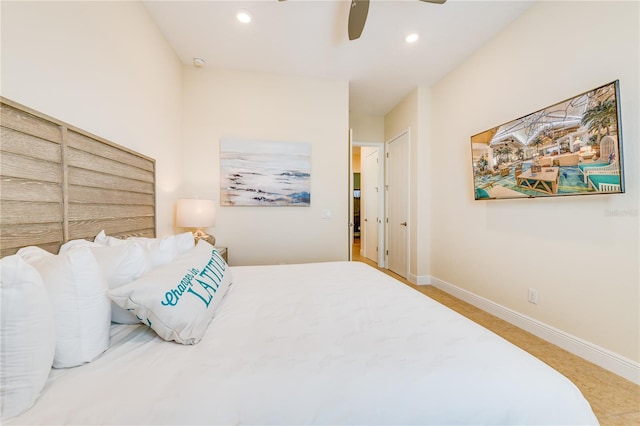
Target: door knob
(403,223)
(365,219)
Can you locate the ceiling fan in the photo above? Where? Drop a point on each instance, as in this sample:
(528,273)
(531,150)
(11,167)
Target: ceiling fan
(358,16)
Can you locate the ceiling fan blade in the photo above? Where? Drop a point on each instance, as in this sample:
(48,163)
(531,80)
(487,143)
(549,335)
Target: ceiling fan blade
(434,1)
(357,17)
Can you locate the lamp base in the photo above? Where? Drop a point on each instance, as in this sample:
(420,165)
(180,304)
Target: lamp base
(201,235)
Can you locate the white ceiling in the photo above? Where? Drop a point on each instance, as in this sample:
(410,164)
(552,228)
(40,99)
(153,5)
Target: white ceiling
(309,38)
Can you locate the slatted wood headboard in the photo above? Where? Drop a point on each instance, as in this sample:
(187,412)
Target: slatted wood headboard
(60,183)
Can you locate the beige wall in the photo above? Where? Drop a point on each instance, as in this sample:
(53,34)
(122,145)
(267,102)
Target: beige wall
(424,182)
(414,113)
(267,107)
(367,128)
(580,253)
(103,67)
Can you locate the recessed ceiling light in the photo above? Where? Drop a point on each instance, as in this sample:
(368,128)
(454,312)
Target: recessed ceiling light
(244,16)
(412,38)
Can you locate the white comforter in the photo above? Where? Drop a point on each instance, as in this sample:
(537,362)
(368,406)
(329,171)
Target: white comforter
(326,343)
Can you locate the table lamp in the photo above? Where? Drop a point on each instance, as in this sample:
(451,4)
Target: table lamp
(199,214)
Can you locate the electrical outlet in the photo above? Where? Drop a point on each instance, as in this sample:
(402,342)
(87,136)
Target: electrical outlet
(533,296)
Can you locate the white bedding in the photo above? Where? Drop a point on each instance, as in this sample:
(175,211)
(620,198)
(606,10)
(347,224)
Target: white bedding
(325,343)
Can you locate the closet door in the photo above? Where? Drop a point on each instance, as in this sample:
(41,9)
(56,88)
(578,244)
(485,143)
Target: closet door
(398,205)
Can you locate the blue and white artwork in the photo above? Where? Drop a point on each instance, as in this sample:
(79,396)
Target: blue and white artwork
(264,173)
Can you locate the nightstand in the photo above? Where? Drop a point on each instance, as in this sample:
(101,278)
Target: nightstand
(223,252)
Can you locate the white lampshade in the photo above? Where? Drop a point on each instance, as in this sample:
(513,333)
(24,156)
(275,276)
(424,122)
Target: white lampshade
(194,213)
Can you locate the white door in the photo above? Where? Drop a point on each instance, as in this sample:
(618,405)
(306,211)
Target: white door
(369,202)
(398,205)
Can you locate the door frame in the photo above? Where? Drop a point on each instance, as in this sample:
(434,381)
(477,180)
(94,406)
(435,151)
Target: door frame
(350,195)
(406,131)
(381,199)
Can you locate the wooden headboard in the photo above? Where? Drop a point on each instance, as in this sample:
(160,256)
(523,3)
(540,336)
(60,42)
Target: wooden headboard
(60,183)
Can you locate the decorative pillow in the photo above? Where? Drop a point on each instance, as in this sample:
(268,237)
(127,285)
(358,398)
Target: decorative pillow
(179,300)
(27,336)
(120,264)
(77,291)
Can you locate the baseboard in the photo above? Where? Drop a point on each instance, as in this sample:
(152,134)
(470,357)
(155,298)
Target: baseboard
(604,358)
(419,279)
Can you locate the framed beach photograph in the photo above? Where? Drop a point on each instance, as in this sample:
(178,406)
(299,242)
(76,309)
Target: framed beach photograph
(571,148)
(265,173)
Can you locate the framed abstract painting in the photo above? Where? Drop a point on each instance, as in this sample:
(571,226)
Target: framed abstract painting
(265,173)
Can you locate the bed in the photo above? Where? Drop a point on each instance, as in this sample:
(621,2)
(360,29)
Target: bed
(326,343)
(319,343)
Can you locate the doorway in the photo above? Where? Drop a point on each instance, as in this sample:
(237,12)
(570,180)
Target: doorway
(368,200)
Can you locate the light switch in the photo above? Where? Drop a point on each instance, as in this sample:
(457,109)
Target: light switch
(326,214)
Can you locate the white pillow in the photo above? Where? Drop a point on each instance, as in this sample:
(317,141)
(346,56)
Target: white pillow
(105,240)
(77,291)
(160,251)
(27,336)
(76,243)
(121,264)
(184,242)
(178,300)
